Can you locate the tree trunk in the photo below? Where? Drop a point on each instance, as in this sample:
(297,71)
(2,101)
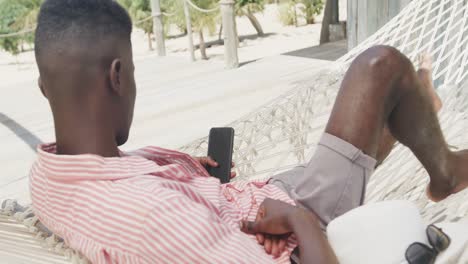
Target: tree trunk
(220,33)
(150,42)
(255,23)
(295,13)
(202,46)
(335,16)
(327,16)
(237,33)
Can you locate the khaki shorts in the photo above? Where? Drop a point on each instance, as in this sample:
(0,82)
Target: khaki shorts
(333,182)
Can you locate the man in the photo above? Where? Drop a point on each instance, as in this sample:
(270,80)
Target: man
(156,205)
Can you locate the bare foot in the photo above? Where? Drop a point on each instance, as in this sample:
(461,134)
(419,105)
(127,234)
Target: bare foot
(458,179)
(425,75)
(456,182)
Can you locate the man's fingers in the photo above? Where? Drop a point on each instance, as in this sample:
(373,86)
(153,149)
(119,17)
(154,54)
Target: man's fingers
(208,161)
(254,228)
(278,245)
(258,217)
(260,238)
(268,244)
(282,245)
(249,227)
(233,174)
(275,251)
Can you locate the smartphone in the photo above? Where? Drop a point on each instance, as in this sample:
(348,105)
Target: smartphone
(220,144)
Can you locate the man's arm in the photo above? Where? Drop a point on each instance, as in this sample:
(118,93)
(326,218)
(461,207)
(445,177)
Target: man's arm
(278,219)
(313,245)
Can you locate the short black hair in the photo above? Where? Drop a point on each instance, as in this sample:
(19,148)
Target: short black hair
(63,22)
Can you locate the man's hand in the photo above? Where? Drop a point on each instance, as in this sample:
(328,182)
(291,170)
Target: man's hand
(277,220)
(272,225)
(209,162)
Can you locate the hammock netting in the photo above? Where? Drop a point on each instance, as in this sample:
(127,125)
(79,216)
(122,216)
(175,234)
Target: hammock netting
(284,132)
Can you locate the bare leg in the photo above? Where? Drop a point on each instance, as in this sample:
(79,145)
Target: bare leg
(424,74)
(380,89)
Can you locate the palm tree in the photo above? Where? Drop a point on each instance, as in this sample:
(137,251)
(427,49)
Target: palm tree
(204,21)
(248,8)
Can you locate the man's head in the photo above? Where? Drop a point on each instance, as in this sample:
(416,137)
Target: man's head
(83,51)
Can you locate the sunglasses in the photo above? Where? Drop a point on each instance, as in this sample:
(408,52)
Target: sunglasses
(419,253)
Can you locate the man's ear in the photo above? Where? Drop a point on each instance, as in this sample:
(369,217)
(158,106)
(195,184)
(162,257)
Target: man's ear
(115,76)
(41,86)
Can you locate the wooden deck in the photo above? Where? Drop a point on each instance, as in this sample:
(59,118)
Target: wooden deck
(330,51)
(178,101)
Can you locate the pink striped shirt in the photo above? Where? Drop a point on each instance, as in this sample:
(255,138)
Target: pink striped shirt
(150,206)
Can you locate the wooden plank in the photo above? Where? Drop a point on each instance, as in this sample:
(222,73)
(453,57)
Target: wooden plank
(403,3)
(372,17)
(352,24)
(382,13)
(394,7)
(362,20)
(329,51)
(365,17)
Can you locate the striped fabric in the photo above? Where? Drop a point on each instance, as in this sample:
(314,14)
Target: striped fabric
(150,206)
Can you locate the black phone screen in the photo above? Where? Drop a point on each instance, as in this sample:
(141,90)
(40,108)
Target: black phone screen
(220,144)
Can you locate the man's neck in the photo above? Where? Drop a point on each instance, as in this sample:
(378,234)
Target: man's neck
(83,138)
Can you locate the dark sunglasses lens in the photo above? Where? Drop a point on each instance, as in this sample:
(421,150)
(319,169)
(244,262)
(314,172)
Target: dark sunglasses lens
(437,238)
(418,253)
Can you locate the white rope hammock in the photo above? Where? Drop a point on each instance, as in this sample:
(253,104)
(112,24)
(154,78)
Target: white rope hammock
(284,132)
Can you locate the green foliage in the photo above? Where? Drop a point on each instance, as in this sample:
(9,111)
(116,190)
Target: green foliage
(15,16)
(201,21)
(310,9)
(176,9)
(139,10)
(249,8)
(252,6)
(286,13)
(11,44)
(291,11)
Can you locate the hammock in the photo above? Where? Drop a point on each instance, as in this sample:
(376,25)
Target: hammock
(284,132)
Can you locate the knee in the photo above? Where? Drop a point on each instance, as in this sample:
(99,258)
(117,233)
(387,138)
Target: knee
(382,58)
